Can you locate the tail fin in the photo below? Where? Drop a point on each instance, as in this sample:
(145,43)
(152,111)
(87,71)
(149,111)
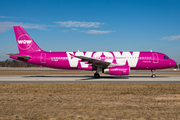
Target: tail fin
(25,43)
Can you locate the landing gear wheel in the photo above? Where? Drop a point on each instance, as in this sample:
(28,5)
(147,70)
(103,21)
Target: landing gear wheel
(153,75)
(96,75)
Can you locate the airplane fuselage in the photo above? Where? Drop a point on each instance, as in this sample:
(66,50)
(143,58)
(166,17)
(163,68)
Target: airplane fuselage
(135,60)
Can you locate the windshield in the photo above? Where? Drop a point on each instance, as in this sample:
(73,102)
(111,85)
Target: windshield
(166,57)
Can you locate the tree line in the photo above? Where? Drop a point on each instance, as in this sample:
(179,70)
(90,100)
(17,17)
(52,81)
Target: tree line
(16,63)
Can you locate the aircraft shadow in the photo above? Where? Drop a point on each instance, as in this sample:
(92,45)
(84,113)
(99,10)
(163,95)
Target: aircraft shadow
(101,78)
(121,77)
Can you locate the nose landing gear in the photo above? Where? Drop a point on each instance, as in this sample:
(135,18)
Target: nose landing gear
(153,74)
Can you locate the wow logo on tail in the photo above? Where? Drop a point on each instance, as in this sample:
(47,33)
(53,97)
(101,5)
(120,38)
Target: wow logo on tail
(24,42)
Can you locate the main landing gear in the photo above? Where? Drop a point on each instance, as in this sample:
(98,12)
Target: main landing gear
(153,74)
(96,75)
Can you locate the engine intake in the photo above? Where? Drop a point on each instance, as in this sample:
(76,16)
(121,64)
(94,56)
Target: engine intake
(117,70)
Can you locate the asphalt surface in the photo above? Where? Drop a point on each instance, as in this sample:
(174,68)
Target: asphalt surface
(89,79)
(168,76)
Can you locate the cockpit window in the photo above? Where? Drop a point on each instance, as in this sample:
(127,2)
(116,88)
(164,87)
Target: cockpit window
(166,57)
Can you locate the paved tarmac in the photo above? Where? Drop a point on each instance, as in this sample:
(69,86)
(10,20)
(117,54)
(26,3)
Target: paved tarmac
(89,79)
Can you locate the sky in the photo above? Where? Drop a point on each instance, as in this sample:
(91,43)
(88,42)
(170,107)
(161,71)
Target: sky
(93,25)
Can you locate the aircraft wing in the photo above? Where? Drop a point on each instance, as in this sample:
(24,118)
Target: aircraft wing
(93,61)
(19,56)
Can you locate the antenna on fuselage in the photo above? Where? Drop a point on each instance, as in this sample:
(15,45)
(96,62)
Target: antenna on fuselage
(150,50)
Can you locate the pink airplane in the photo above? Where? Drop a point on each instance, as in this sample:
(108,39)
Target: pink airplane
(113,63)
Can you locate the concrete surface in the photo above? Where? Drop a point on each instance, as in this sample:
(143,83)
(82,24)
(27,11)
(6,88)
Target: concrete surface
(89,79)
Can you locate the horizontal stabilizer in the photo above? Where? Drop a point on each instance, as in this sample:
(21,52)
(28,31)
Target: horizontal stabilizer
(19,56)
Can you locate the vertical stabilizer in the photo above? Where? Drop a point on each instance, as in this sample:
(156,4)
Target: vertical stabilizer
(25,43)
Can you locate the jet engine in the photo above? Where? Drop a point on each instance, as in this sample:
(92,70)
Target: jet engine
(117,70)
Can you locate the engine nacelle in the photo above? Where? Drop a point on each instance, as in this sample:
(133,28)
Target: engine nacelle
(117,70)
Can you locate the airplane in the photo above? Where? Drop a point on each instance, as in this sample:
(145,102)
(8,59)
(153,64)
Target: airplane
(113,63)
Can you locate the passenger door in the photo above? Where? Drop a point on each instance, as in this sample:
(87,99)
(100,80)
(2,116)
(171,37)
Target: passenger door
(155,58)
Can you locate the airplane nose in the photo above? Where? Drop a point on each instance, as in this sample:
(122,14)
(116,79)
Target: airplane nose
(172,63)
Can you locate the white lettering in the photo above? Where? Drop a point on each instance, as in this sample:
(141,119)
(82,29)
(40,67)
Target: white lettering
(106,56)
(103,56)
(126,55)
(73,61)
(84,64)
(24,41)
